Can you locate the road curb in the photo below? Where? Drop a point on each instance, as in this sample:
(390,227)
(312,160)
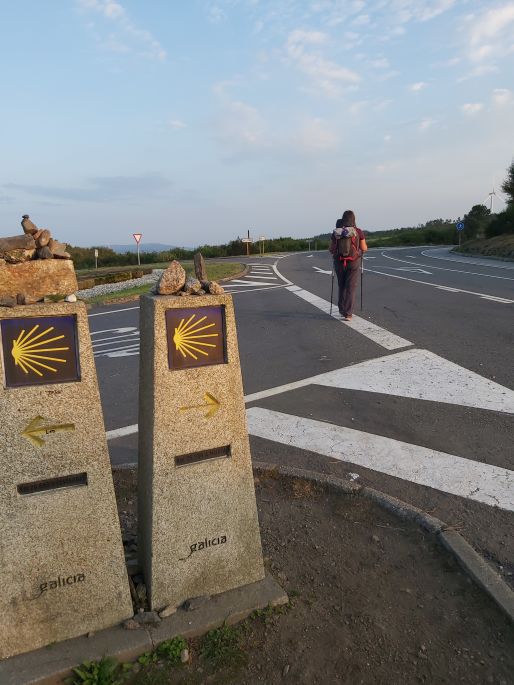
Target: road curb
(471,561)
(51,665)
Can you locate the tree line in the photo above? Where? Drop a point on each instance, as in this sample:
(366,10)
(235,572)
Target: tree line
(478,222)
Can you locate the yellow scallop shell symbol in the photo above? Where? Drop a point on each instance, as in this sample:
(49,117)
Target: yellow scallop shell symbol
(189,339)
(30,355)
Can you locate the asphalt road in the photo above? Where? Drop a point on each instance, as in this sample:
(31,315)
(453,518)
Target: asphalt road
(414,397)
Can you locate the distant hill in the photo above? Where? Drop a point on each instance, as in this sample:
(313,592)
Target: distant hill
(143,247)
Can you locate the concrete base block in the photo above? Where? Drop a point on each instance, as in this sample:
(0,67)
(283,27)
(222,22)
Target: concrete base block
(48,666)
(229,607)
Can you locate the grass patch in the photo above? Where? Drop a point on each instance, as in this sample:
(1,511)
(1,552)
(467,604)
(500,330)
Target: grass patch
(104,672)
(221,648)
(501,246)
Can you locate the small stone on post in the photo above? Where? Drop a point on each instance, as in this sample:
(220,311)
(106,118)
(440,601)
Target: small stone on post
(200,270)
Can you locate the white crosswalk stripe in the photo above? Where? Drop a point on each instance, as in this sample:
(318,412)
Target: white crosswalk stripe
(261,276)
(445,472)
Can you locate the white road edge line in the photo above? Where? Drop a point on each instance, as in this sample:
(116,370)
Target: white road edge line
(473,480)
(378,335)
(476,261)
(441,268)
(503,300)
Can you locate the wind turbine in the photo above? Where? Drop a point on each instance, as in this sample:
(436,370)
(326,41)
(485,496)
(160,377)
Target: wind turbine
(491,196)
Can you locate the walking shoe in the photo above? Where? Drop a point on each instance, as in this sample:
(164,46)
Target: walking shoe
(348,317)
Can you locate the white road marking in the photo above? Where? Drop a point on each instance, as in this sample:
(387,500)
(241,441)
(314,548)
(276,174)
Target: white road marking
(415,269)
(269,278)
(240,283)
(121,352)
(321,271)
(417,374)
(283,278)
(124,329)
(491,262)
(423,375)
(110,341)
(255,290)
(122,432)
(379,335)
(114,311)
(503,300)
(473,480)
(440,268)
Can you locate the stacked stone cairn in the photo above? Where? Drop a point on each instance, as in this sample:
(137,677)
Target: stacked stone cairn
(175,281)
(34,244)
(23,278)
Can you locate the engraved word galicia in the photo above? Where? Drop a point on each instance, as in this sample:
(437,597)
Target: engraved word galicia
(204,544)
(62,582)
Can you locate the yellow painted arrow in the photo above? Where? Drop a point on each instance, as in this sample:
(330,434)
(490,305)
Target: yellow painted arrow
(212,405)
(36,428)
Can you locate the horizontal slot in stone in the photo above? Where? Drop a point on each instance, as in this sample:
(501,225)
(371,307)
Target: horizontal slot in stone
(71,481)
(203,455)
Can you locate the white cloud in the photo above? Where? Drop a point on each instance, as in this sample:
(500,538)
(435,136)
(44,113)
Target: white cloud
(176,124)
(215,14)
(416,87)
(426,123)
(502,97)
(490,33)
(361,20)
(130,39)
(472,108)
(405,11)
(388,138)
(381,63)
(242,124)
(492,23)
(315,136)
(302,48)
(476,72)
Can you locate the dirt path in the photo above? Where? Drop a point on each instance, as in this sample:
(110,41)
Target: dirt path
(375,601)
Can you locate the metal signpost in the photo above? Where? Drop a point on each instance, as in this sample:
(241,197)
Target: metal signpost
(137,238)
(459,227)
(261,246)
(248,242)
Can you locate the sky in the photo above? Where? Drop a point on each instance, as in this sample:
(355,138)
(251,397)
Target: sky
(193,122)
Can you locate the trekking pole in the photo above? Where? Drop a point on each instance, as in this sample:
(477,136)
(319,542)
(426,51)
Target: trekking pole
(332,290)
(362,271)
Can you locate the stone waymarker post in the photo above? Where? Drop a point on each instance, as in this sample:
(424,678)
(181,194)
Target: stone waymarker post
(199,533)
(61,558)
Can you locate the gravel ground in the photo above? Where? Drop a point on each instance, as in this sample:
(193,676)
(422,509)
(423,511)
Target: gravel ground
(107,288)
(376,600)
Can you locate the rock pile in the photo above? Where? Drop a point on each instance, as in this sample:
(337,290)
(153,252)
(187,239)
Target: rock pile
(174,281)
(34,244)
(34,265)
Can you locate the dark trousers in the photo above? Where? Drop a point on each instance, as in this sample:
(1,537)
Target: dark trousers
(347,278)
